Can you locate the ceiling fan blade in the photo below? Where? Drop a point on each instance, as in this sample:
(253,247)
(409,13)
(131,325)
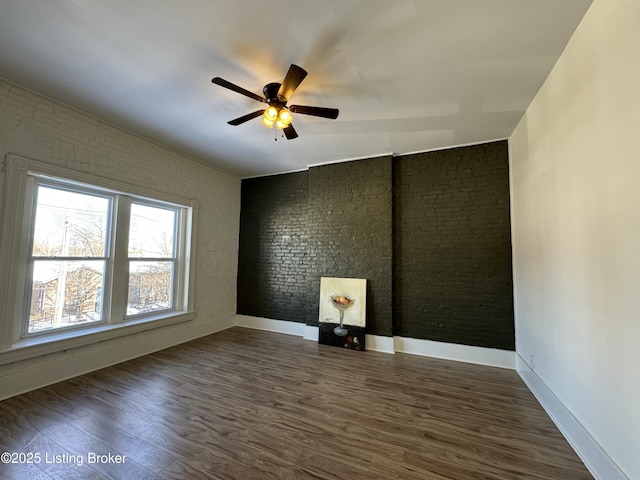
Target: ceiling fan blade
(245,118)
(315,111)
(232,86)
(294,77)
(290,132)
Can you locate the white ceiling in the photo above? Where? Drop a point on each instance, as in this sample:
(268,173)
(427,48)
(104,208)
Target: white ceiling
(407,75)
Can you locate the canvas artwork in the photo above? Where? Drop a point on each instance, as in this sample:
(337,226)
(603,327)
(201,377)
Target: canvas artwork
(343,309)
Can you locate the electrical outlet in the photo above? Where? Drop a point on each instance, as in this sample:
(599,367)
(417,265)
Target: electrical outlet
(532,362)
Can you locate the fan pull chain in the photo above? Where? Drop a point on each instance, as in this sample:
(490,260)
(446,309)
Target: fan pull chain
(276,136)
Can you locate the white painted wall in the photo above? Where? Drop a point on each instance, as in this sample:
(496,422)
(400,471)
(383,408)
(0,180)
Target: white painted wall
(575,178)
(37,128)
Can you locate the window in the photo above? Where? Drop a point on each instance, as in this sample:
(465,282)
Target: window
(69,257)
(89,256)
(152,258)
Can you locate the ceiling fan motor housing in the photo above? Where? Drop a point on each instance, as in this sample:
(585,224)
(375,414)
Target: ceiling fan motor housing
(270,91)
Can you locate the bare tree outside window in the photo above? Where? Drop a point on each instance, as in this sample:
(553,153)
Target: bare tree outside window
(151,258)
(68,255)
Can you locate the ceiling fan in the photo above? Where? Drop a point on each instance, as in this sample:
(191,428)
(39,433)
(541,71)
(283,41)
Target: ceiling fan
(276,95)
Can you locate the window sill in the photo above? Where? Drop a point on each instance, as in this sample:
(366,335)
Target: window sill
(54,343)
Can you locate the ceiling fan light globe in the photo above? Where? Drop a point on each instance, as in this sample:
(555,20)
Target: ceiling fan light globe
(271,114)
(285,117)
(266,122)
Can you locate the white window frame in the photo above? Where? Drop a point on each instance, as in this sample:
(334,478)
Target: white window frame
(176,258)
(15,242)
(34,181)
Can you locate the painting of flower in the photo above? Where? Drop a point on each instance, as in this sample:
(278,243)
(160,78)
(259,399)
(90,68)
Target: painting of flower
(343,312)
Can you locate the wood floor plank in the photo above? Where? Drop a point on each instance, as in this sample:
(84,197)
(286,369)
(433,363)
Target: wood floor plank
(59,463)
(23,472)
(245,404)
(144,453)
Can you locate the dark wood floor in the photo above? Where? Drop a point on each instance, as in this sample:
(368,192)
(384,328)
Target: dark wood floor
(245,404)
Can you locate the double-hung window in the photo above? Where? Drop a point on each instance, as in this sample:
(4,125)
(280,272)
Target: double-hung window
(70,250)
(87,257)
(152,258)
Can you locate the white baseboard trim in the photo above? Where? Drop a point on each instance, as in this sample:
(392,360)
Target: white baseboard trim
(601,466)
(24,376)
(461,353)
(492,357)
(271,325)
(311,333)
(378,343)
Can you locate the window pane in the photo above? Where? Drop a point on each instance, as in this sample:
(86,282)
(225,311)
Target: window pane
(149,287)
(70,224)
(151,232)
(65,294)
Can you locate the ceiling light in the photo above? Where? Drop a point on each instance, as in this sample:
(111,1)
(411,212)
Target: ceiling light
(281,117)
(270,116)
(284,116)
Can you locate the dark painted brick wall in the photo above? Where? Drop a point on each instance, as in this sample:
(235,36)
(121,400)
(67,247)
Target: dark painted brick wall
(430,233)
(351,232)
(332,221)
(273,266)
(452,248)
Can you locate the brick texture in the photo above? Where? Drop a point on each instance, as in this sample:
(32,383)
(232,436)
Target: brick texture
(332,221)
(351,232)
(274,268)
(452,250)
(44,130)
(430,233)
